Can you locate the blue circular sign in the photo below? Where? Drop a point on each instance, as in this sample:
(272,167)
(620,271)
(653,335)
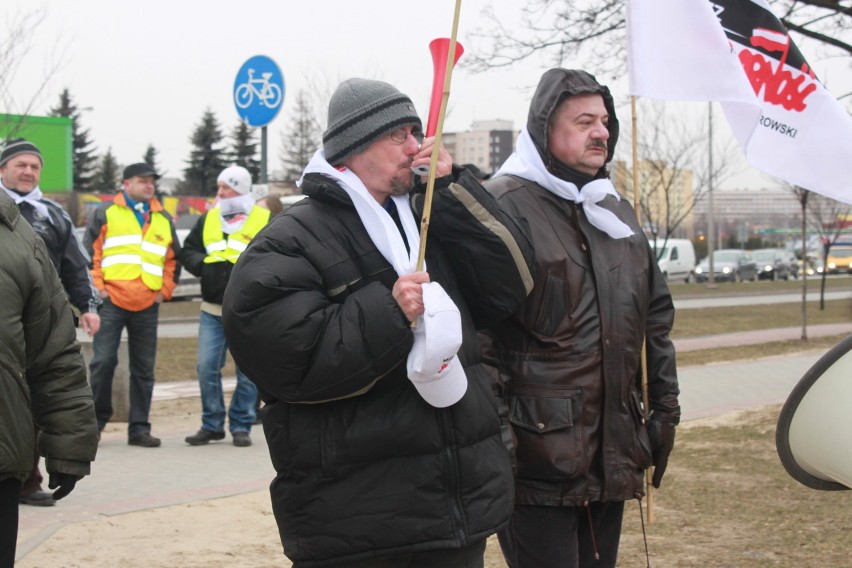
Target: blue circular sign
(258,91)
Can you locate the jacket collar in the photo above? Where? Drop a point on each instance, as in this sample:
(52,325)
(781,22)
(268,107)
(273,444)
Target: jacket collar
(323,188)
(153,204)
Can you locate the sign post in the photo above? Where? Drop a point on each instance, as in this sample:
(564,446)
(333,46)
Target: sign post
(258,96)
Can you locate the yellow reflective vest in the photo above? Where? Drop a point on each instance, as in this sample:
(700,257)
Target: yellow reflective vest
(221,247)
(128,254)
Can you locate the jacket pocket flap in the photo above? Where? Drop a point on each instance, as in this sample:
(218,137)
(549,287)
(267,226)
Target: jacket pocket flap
(541,412)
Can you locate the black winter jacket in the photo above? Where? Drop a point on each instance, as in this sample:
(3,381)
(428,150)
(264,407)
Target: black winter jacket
(365,466)
(215,275)
(66,252)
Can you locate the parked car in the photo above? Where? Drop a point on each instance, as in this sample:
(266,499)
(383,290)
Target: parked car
(732,265)
(813,266)
(676,259)
(839,259)
(772,264)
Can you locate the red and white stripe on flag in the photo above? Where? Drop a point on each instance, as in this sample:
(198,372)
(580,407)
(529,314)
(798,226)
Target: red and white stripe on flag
(738,53)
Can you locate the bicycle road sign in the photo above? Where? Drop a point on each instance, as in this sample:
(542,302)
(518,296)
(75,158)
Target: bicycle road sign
(258,91)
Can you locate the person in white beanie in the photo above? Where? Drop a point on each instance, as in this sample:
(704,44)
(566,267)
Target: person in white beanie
(210,251)
(385,440)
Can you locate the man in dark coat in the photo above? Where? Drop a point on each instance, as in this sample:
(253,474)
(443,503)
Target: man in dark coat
(318,314)
(21,165)
(42,376)
(568,361)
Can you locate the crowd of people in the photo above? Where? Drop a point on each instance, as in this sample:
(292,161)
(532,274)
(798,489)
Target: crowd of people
(412,406)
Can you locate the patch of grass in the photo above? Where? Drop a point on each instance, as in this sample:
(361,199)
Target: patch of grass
(177,357)
(698,322)
(833,283)
(727,501)
(180,309)
(774,348)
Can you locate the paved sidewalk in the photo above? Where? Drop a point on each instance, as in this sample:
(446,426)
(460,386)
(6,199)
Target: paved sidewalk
(126,479)
(760,336)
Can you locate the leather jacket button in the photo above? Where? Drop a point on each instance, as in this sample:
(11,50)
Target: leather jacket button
(540,425)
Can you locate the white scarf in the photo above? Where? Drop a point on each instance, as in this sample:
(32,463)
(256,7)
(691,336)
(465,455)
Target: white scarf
(234,211)
(378,222)
(526,162)
(33,198)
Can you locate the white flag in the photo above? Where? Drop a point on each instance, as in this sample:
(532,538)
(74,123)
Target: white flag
(738,53)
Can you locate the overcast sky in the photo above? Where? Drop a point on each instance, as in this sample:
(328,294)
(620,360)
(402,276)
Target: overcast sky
(149,70)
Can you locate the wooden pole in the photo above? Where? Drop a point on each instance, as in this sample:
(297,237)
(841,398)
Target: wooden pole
(436,148)
(637,204)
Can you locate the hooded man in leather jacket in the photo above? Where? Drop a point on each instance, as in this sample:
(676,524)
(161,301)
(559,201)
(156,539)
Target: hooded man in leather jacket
(569,360)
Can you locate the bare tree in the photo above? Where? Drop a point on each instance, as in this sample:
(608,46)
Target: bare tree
(827,218)
(562,30)
(16,44)
(301,139)
(674,171)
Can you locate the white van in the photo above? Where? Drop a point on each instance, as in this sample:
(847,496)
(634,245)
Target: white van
(676,258)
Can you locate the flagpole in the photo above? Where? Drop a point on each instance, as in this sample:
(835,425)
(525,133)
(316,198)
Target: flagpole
(637,204)
(711,226)
(433,165)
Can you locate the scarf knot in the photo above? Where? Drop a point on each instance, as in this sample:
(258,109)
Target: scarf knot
(526,162)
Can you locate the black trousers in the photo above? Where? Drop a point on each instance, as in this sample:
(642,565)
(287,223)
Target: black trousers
(562,537)
(10,493)
(470,557)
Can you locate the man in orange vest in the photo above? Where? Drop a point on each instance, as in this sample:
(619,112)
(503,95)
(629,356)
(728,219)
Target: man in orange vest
(210,251)
(133,245)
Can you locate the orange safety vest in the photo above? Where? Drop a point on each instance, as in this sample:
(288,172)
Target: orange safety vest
(128,254)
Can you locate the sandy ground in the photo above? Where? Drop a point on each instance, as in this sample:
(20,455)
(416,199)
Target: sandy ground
(236,531)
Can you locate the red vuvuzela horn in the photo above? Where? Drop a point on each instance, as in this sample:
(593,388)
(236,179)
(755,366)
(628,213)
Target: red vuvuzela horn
(440,49)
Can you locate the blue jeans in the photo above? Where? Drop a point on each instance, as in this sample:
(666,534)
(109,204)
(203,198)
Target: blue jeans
(212,350)
(142,349)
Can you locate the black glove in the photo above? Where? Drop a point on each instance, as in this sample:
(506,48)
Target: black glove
(65,482)
(661,432)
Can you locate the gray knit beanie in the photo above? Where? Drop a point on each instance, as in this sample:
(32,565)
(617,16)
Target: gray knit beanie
(360,112)
(16,148)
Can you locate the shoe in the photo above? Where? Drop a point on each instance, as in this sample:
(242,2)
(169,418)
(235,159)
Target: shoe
(204,436)
(145,440)
(241,439)
(39,499)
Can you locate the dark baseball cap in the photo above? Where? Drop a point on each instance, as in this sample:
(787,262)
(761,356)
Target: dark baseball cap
(141,169)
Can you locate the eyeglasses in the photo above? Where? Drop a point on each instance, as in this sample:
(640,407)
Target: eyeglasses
(401,135)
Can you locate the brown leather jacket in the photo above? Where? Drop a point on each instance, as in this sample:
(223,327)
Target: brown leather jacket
(569,361)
